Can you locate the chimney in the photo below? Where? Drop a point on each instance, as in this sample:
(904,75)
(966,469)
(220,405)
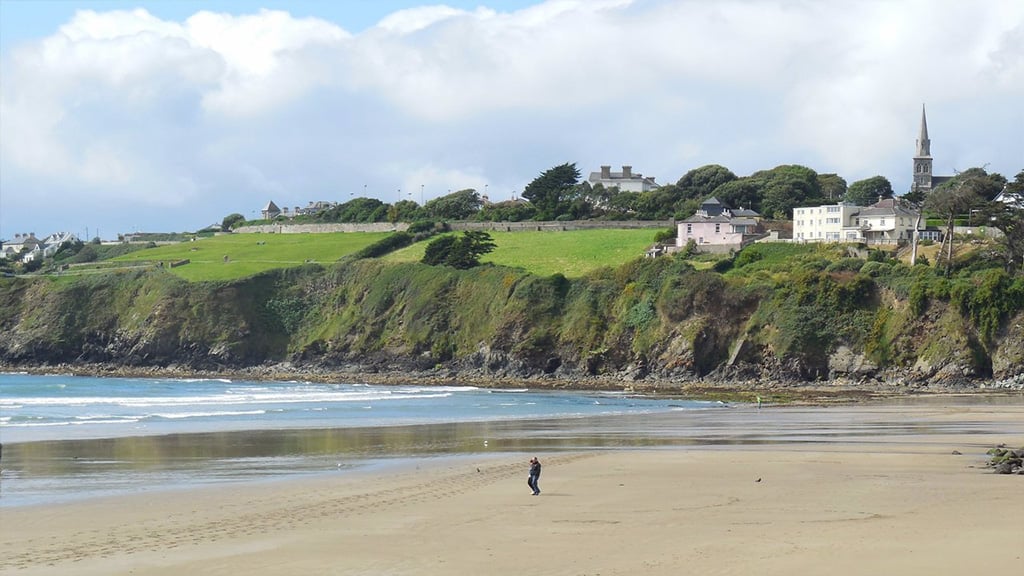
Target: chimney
(606,172)
(627,171)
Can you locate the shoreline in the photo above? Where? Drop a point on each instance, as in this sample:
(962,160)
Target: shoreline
(821,392)
(915,501)
(73,469)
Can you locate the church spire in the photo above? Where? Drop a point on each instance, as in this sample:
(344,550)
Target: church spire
(924,145)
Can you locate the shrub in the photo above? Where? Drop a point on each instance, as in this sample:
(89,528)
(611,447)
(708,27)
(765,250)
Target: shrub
(846,265)
(459,252)
(667,234)
(875,269)
(385,246)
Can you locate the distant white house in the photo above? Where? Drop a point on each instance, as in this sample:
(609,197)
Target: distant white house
(887,221)
(270,211)
(20,243)
(1012,200)
(625,181)
(31,248)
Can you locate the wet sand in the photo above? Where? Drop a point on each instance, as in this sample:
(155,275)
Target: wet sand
(839,490)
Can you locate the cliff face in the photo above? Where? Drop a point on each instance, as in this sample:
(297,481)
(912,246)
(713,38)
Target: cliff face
(648,319)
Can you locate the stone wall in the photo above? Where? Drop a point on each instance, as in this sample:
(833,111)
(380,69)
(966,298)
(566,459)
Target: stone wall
(321,228)
(490,226)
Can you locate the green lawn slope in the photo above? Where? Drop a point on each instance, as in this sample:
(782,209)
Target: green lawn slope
(233,256)
(572,253)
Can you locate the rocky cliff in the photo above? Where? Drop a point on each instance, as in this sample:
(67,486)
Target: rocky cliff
(840,321)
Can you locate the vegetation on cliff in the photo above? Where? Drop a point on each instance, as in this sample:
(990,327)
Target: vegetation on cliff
(779,311)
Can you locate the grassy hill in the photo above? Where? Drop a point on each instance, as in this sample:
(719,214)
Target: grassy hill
(248,254)
(572,253)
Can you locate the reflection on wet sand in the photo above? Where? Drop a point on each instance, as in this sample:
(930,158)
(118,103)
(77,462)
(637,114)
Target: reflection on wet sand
(48,471)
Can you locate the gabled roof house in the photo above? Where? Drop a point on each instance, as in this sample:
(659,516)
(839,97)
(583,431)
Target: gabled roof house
(716,227)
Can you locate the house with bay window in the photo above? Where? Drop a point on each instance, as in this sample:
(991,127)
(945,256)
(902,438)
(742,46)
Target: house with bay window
(887,221)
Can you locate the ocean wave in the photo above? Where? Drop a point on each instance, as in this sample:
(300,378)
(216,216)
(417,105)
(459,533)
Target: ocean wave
(177,416)
(222,399)
(70,423)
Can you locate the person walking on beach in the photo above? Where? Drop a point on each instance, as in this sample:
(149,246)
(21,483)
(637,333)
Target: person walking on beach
(534,476)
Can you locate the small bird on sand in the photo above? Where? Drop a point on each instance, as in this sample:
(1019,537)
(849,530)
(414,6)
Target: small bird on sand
(758,480)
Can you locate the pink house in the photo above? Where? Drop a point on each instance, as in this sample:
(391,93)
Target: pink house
(718,228)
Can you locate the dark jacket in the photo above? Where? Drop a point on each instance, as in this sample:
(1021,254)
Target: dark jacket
(535,469)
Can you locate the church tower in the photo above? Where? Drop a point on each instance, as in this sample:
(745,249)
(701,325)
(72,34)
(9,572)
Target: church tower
(923,158)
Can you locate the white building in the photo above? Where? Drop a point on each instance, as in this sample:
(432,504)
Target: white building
(884,222)
(625,181)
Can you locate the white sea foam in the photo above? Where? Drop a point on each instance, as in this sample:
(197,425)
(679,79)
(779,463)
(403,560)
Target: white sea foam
(175,416)
(71,423)
(221,399)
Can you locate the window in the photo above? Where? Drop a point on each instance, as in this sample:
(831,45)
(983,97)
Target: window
(689,229)
(718,228)
(832,220)
(833,208)
(882,223)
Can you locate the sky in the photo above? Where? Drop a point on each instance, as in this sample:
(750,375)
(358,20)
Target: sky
(168,115)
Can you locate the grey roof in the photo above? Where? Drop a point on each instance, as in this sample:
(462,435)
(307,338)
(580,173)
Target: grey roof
(744,212)
(720,218)
(743,222)
(271,207)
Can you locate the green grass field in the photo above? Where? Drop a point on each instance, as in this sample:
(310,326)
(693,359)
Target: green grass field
(248,254)
(572,253)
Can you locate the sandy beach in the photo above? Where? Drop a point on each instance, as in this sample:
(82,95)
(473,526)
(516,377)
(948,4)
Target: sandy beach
(881,505)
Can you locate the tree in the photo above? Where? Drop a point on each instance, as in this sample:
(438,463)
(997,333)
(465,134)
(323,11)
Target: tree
(507,211)
(833,186)
(461,205)
(786,187)
(230,221)
(700,183)
(868,191)
(623,205)
(404,211)
(461,252)
(659,204)
(356,210)
(549,190)
(740,193)
(1007,215)
(952,198)
(985,185)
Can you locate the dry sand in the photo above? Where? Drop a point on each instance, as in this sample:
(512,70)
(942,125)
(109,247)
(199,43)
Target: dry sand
(877,507)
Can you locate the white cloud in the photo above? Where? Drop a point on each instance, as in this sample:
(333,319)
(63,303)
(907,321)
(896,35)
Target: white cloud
(219,111)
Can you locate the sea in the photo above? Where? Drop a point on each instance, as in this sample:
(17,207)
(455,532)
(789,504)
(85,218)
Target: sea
(69,437)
